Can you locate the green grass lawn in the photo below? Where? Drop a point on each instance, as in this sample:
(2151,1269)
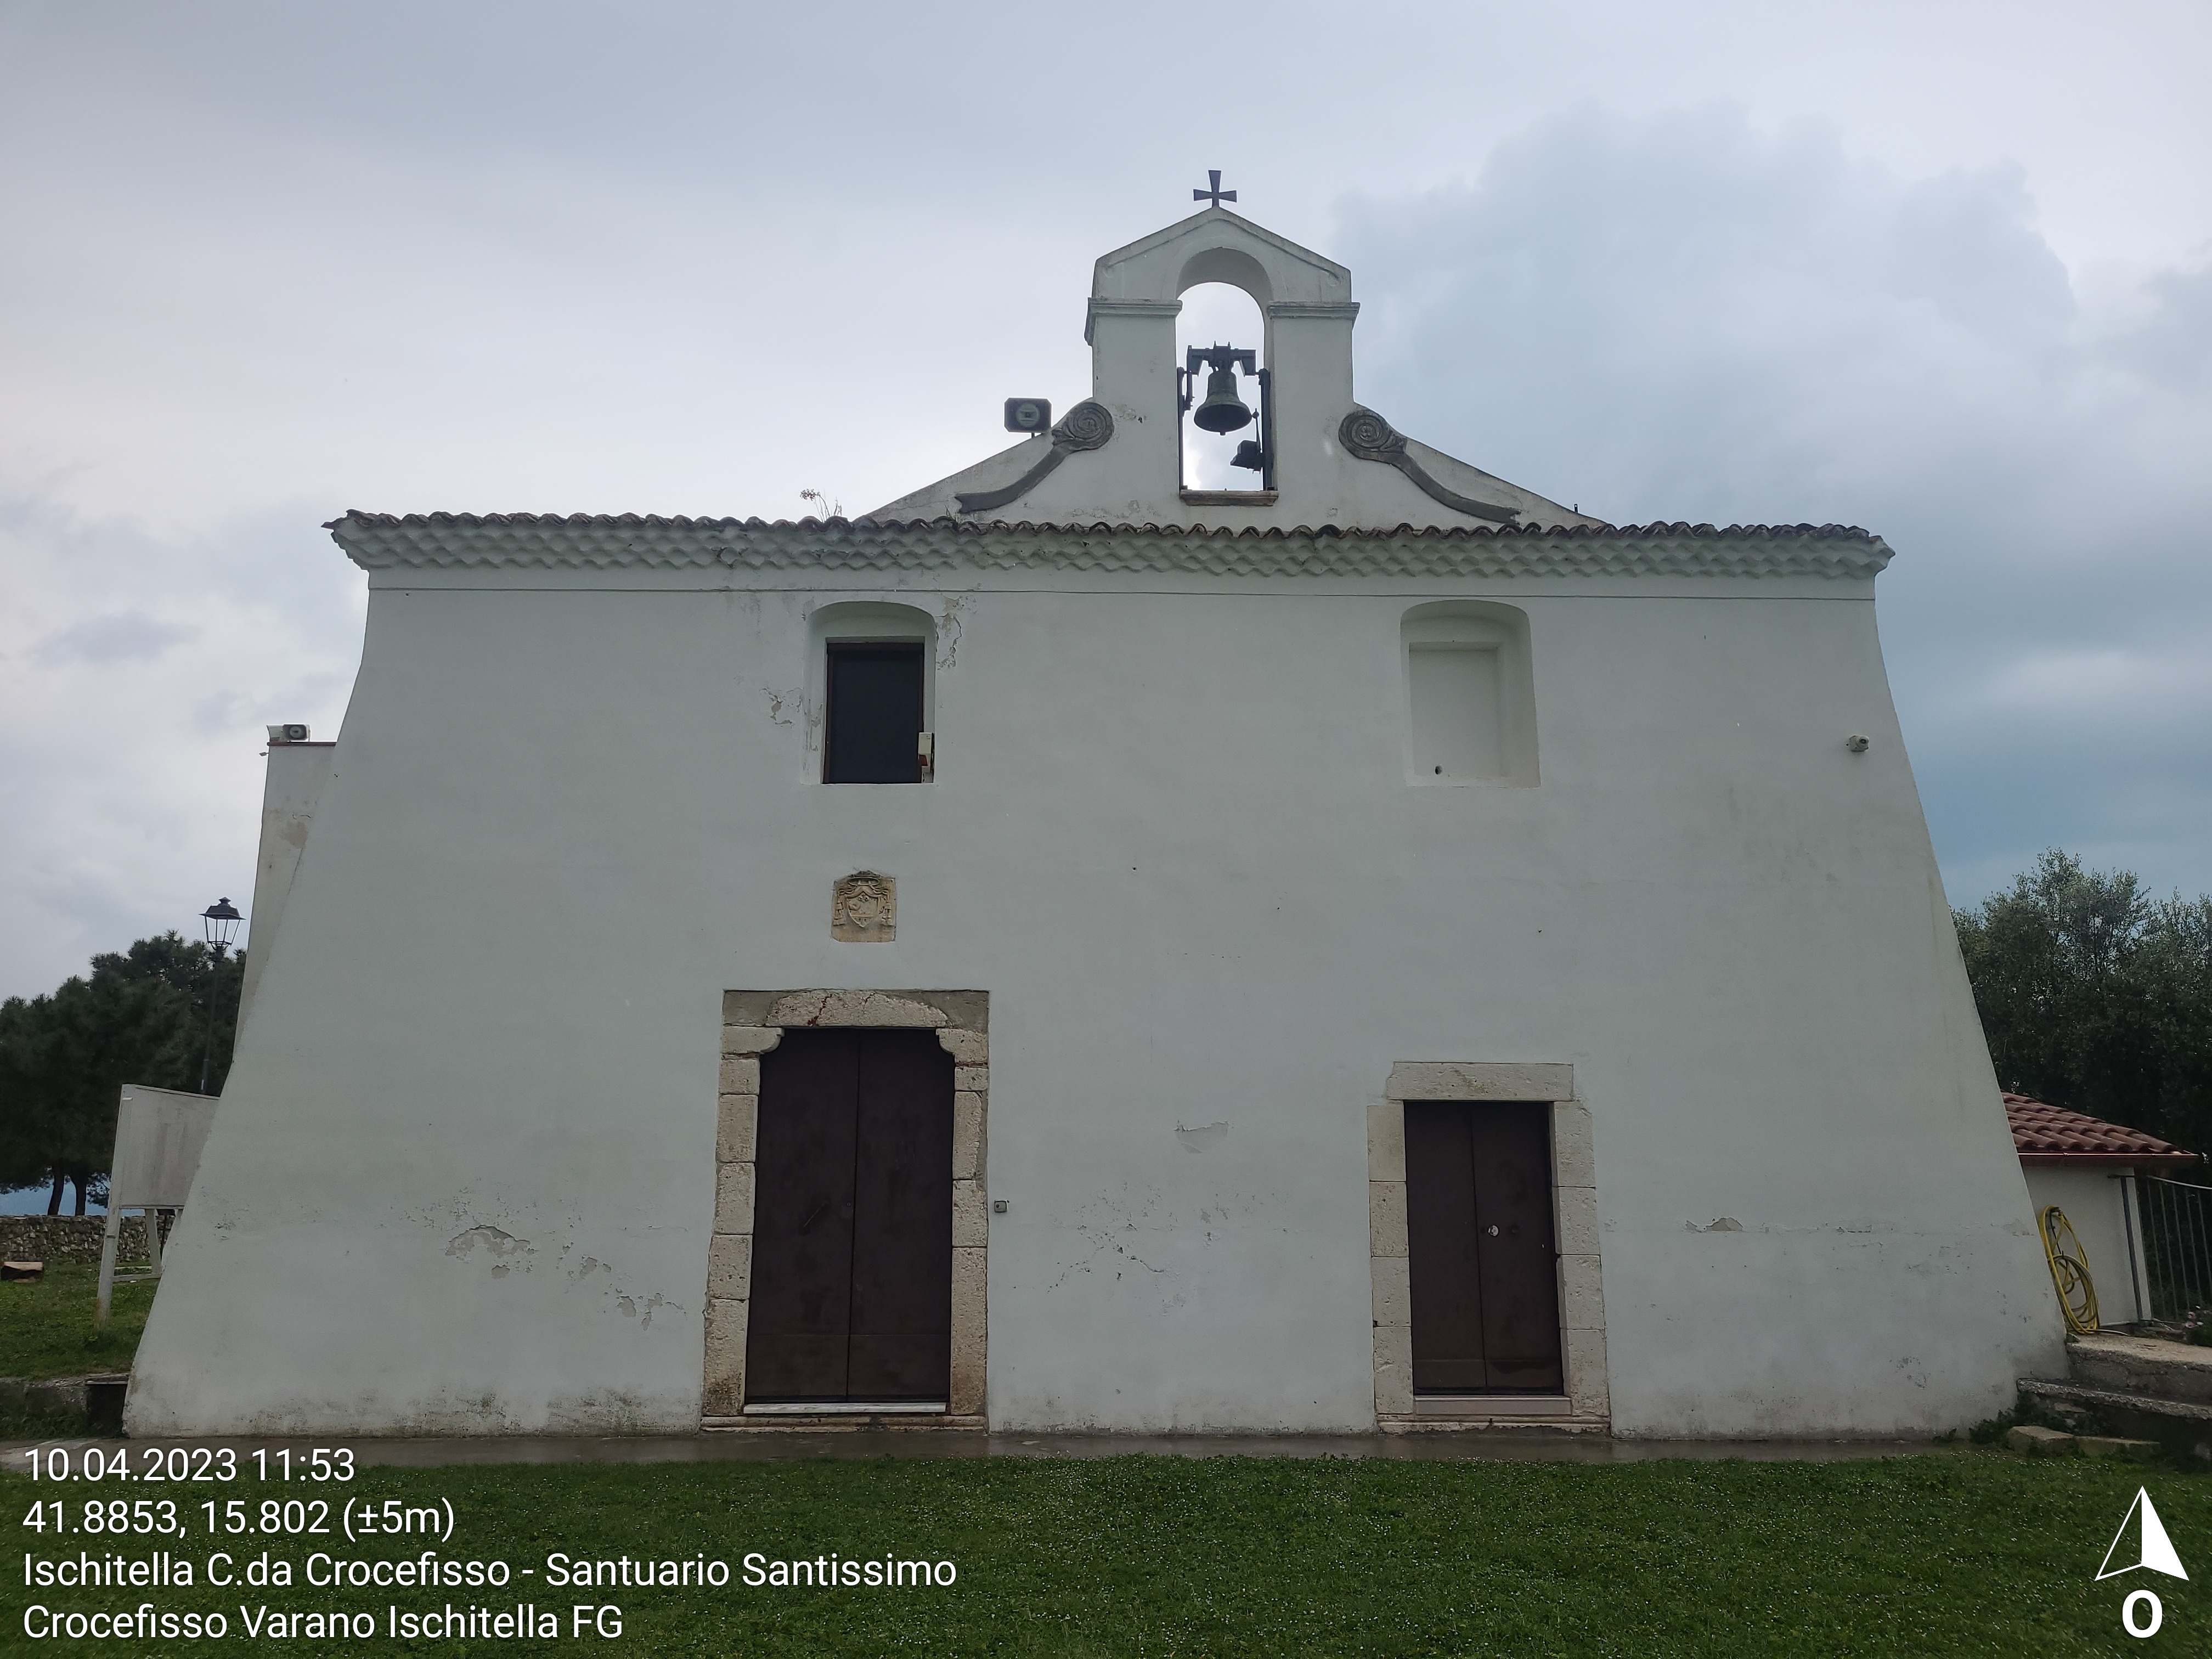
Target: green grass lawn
(46,1325)
(1978,1552)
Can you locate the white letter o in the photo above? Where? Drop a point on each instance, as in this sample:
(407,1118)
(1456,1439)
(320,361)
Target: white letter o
(2128,1615)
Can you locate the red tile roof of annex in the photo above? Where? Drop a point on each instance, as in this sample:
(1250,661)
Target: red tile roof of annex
(2043,1134)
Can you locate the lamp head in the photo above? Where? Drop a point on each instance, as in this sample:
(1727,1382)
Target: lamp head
(220,921)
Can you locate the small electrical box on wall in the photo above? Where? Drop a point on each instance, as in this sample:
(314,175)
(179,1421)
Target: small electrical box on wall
(926,752)
(1031,414)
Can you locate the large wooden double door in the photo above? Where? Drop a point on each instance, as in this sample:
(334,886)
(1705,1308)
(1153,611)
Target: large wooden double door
(852,1271)
(1483,1262)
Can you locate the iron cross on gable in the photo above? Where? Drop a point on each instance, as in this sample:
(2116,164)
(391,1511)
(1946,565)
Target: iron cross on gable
(1217,196)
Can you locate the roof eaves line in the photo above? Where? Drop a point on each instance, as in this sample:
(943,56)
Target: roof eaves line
(815,527)
(383,541)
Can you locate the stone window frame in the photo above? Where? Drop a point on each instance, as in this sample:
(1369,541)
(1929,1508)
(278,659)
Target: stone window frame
(1587,1404)
(753,1024)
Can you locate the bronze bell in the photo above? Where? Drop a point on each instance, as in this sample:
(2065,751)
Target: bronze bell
(1223,411)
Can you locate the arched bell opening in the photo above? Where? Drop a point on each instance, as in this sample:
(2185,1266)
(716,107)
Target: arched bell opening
(1220,359)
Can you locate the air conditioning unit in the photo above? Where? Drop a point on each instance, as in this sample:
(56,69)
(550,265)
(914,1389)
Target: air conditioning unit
(291,733)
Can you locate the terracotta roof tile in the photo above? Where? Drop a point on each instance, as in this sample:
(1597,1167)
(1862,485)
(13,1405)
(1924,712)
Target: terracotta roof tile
(383,541)
(2044,1134)
(1001,526)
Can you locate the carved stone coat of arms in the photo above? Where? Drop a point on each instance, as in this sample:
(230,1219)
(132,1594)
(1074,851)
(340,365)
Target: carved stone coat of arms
(864,909)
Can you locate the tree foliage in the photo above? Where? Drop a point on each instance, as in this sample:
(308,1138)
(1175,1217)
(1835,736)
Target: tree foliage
(141,1016)
(2097,997)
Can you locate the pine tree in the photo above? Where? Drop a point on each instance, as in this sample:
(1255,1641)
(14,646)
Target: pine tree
(141,1015)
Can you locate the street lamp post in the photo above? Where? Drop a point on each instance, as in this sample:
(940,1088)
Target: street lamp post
(220,921)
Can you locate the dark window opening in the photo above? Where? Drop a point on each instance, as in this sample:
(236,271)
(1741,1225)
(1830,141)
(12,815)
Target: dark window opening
(875,714)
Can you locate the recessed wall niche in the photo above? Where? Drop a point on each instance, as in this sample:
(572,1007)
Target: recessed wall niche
(1470,694)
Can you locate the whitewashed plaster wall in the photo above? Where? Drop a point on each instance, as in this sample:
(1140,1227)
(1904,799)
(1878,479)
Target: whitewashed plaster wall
(464,1175)
(291,786)
(2095,1203)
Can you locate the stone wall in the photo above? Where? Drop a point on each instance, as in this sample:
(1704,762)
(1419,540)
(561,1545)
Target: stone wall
(73,1238)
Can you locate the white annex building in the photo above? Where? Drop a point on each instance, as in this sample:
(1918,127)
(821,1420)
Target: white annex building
(1069,951)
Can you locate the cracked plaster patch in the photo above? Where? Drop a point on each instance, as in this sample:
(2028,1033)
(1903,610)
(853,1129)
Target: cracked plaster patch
(948,632)
(1103,1239)
(628,1305)
(497,1243)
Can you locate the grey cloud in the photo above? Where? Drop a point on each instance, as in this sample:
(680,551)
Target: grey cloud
(123,637)
(2172,343)
(1966,243)
(130,766)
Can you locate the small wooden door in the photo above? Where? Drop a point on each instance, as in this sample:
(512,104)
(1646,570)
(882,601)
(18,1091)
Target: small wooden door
(1483,1265)
(852,1280)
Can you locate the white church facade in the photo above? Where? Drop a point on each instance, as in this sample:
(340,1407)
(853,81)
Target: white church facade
(1071,951)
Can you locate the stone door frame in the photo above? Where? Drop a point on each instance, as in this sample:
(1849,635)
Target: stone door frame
(753,1022)
(1587,1404)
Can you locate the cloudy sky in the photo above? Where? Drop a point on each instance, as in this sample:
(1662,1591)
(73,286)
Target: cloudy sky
(1941,269)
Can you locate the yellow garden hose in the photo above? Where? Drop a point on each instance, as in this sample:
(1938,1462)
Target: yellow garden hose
(2070,1271)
